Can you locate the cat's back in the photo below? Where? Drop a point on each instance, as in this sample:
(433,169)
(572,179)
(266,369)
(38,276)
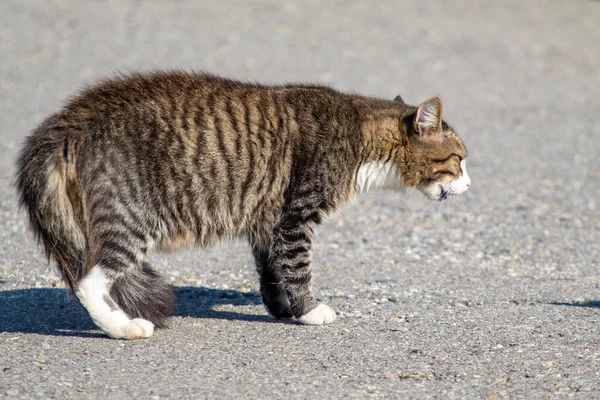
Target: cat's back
(172,89)
(137,92)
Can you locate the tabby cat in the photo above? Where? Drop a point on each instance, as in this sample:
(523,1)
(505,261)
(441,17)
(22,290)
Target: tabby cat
(167,160)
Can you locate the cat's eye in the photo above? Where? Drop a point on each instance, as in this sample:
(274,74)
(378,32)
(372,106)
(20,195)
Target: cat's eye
(442,173)
(443,160)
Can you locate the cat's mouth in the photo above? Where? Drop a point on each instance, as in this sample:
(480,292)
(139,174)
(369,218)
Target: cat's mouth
(436,192)
(441,191)
(444,193)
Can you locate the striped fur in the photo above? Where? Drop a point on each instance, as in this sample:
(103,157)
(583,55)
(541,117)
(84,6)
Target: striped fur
(172,160)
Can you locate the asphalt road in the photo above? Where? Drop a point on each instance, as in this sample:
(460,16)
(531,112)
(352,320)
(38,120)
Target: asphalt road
(494,294)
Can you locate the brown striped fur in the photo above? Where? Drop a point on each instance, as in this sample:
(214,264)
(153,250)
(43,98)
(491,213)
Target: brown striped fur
(170,159)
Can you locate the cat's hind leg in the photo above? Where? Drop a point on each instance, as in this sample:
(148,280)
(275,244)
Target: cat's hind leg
(124,296)
(126,304)
(94,294)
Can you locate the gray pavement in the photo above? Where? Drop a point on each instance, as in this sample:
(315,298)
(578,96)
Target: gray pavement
(495,294)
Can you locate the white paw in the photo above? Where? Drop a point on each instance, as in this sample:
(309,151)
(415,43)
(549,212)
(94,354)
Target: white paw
(138,329)
(322,314)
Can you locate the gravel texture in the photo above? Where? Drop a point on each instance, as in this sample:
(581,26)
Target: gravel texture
(494,294)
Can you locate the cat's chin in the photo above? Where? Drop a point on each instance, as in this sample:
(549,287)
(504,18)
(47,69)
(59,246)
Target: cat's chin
(436,191)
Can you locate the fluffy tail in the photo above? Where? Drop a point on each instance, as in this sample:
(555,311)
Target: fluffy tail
(143,293)
(48,189)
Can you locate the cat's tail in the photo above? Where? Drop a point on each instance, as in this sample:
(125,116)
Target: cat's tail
(48,189)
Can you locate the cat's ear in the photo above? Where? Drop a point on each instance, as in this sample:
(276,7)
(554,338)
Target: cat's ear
(398,99)
(428,119)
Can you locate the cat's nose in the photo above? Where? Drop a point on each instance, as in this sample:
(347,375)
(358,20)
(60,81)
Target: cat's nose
(468,185)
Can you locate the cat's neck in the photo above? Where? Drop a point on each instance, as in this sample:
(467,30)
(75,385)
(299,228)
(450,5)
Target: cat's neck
(383,132)
(385,146)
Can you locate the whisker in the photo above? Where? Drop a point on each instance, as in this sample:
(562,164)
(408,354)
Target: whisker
(448,207)
(431,202)
(465,134)
(459,204)
(422,203)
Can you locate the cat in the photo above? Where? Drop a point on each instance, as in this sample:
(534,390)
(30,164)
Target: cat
(167,160)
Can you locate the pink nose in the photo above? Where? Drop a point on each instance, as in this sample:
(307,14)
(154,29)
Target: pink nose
(468,185)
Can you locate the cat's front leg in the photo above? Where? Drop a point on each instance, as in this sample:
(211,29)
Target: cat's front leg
(272,286)
(289,258)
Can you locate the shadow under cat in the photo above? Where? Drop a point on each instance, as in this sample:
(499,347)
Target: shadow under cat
(588,304)
(56,312)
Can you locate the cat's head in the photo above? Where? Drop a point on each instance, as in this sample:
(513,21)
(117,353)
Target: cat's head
(436,164)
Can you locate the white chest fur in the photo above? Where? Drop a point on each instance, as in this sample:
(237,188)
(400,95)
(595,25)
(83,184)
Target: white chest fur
(373,175)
